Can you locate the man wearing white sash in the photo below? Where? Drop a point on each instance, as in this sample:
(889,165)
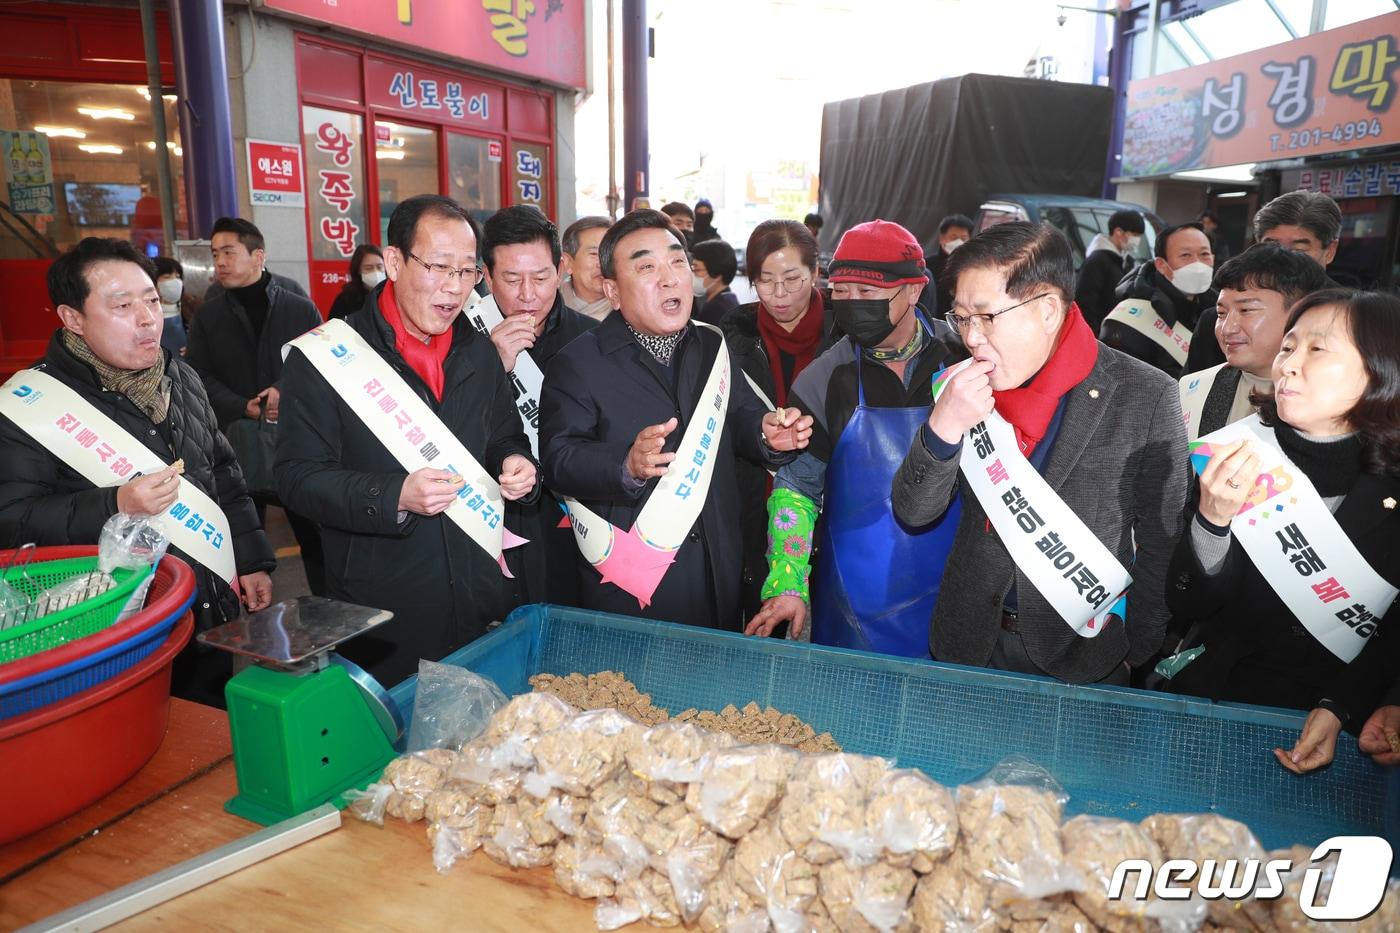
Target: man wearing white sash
(1256,289)
(529,323)
(1161,302)
(89,431)
(1062,451)
(386,426)
(641,421)
(1290,565)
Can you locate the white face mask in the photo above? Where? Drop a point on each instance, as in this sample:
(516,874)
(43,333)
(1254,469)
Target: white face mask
(697,285)
(371,279)
(1192,278)
(170,290)
(1132,244)
(951,246)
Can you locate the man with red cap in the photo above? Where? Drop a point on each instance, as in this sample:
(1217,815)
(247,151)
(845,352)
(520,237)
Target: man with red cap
(876,580)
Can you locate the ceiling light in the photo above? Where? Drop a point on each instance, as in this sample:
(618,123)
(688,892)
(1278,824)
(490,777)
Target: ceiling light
(145,92)
(396,154)
(169,145)
(67,131)
(107,113)
(100,150)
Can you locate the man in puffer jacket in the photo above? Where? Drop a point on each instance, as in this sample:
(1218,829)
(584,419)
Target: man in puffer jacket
(108,352)
(1106,260)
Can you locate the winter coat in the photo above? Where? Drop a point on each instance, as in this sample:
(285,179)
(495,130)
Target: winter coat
(1098,279)
(1147,284)
(599,393)
(44,501)
(441,586)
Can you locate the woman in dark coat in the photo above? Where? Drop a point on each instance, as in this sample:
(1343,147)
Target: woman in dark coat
(773,340)
(1335,414)
(366,272)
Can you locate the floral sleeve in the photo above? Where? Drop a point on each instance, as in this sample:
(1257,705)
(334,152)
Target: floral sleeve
(792,517)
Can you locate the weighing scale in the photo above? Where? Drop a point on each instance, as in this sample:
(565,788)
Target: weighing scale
(307,724)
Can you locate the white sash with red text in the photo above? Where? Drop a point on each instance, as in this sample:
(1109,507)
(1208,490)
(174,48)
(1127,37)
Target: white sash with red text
(105,454)
(408,429)
(1299,548)
(1143,318)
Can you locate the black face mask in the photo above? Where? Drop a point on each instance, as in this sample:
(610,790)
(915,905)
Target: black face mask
(703,220)
(865,320)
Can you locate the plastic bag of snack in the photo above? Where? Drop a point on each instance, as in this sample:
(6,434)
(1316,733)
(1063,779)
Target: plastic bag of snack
(510,843)
(517,726)
(683,849)
(569,855)
(451,706)
(738,786)
(913,819)
(776,876)
(950,898)
(369,804)
(647,897)
(617,815)
(823,811)
(729,908)
(457,822)
(482,765)
(1095,846)
(566,813)
(669,756)
(414,776)
(1009,827)
(581,753)
(1206,836)
(867,898)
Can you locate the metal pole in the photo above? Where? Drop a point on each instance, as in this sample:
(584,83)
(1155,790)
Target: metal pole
(1119,68)
(1319,17)
(612,117)
(206,124)
(154,87)
(635,148)
(1154,22)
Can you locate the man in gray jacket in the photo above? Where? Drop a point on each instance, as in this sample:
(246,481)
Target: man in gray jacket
(1084,486)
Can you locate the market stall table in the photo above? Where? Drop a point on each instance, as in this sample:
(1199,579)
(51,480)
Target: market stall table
(357,877)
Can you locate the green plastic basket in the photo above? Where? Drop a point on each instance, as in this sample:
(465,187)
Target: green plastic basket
(77,621)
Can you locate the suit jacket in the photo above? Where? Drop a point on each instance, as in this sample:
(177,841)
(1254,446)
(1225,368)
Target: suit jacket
(1256,649)
(1120,463)
(442,588)
(599,393)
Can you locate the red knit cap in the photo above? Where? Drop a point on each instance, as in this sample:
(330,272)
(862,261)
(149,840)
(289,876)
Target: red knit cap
(878,253)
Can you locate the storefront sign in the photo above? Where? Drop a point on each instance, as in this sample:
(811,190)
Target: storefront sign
(439,96)
(274,174)
(1366,180)
(540,39)
(529,179)
(336,172)
(493,150)
(28,172)
(1330,92)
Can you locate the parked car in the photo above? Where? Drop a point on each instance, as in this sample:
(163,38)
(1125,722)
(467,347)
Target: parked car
(1079,219)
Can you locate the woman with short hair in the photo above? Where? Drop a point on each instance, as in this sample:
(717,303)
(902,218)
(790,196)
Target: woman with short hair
(366,272)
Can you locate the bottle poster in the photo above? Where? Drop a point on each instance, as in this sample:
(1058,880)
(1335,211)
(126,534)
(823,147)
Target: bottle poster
(28,172)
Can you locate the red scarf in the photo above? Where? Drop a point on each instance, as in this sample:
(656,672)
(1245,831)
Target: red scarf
(425,359)
(1031,408)
(801,343)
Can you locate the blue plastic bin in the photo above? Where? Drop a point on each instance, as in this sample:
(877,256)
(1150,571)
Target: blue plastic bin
(1118,752)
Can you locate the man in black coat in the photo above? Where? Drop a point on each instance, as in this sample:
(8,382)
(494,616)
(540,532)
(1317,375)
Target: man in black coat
(388,544)
(524,262)
(235,344)
(108,352)
(615,408)
(953,231)
(1106,260)
(1176,284)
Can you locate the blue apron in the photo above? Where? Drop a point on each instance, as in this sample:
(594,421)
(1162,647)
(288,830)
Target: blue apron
(875,582)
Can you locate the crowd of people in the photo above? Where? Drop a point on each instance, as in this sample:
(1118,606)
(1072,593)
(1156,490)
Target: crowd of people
(1179,475)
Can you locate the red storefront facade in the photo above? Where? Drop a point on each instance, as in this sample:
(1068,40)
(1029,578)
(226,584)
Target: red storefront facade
(377,128)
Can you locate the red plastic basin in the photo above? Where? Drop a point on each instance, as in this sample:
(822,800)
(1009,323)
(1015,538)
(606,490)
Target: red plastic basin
(59,759)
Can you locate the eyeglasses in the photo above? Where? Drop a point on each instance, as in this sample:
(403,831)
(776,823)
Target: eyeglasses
(790,283)
(468,274)
(985,322)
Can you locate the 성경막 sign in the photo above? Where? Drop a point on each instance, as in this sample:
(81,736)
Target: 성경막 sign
(541,39)
(274,174)
(1329,92)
